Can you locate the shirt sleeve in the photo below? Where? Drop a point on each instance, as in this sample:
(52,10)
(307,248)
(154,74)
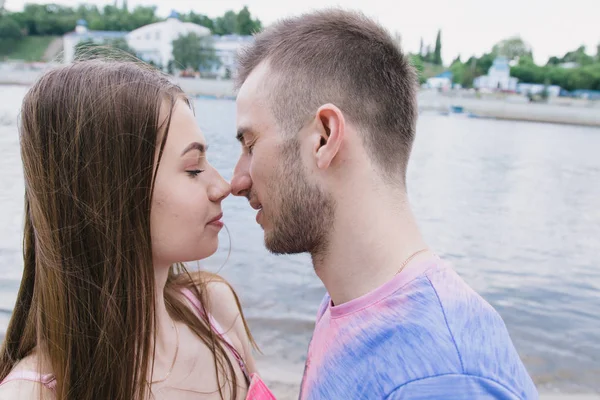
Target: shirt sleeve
(453,387)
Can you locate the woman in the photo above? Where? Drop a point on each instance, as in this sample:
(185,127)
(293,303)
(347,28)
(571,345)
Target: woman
(118,193)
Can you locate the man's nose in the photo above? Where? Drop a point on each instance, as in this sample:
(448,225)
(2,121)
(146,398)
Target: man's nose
(241,183)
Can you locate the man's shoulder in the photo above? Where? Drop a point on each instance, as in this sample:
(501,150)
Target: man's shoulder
(468,317)
(463,386)
(434,324)
(435,319)
(481,339)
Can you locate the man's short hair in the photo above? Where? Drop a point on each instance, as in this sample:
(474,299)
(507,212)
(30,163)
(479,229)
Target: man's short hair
(343,58)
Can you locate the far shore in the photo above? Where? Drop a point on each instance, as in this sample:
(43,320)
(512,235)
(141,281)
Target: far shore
(513,107)
(192,86)
(510,107)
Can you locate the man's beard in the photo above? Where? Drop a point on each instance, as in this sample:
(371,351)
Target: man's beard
(302,213)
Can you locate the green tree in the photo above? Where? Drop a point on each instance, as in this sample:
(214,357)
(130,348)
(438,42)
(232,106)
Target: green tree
(195,52)
(428,56)
(512,48)
(528,72)
(470,72)
(579,56)
(553,61)
(9,29)
(140,16)
(245,24)
(231,22)
(199,19)
(46,19)
(459,70)
(227,24)
(437,53)
(417,62)
(483,64)
(52,19)
(10,34)
(587,77)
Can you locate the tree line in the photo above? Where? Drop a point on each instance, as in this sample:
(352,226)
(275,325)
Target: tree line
(54,19)
(574,70)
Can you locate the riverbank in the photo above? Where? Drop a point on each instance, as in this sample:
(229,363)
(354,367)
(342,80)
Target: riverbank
(516,108)
(192,86)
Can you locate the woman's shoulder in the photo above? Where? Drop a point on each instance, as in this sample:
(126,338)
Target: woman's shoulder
(224,306)
(220,299)
(20,389)
(24,382)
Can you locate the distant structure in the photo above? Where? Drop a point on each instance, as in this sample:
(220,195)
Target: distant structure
(498,77)
(154,42)
(227,48)
(83,34)
(442,81)
(537,88)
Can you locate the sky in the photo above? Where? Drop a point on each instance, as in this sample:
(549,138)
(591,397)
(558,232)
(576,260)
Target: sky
(469,27)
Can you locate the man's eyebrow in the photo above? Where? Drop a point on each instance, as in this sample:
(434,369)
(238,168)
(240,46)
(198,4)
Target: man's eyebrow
(195,146)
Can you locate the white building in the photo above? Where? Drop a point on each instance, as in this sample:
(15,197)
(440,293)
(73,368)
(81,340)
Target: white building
(536,88)
(498,77)
(227,48)
(154,42)
(82,34)
(441,82)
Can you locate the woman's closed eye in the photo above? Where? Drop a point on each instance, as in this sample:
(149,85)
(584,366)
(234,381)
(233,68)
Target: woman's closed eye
(194,172)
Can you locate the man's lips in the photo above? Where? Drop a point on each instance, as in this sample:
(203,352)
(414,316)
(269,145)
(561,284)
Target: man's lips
(255,204)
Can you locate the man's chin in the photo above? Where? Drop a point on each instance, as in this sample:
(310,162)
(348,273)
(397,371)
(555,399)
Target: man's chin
(276,245)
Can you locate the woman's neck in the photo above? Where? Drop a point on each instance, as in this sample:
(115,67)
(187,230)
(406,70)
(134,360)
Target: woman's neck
(166,331)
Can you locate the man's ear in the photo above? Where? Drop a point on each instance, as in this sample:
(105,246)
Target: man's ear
(331,126)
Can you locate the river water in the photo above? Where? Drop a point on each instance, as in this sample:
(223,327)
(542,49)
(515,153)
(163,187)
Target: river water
(514,206)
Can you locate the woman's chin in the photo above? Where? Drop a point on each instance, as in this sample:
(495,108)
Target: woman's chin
(209,248)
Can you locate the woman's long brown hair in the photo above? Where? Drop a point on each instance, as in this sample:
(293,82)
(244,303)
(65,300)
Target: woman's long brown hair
(89,134)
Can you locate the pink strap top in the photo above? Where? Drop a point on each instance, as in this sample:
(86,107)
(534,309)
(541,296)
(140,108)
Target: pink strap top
(47,380)
(256,391)
(217,327)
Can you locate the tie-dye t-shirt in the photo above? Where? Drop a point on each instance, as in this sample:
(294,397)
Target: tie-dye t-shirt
(423,335)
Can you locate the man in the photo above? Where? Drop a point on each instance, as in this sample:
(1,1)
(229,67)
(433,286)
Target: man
(326,117)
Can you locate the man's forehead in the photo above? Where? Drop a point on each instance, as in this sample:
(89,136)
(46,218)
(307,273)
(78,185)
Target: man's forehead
(255,87)
(253,112)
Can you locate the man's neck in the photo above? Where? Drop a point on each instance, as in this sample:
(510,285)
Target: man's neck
(368,246)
